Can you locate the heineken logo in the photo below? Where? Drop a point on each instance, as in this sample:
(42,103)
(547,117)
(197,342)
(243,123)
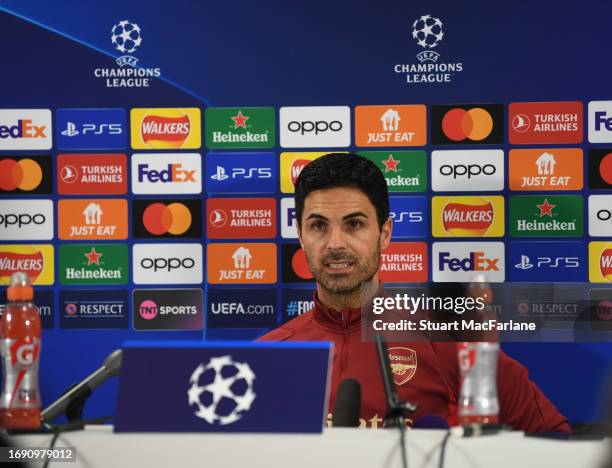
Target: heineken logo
(245,127)
(404,171)
(546,216)
(93,264)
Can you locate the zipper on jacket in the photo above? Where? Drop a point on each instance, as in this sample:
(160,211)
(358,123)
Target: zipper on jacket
(344,351)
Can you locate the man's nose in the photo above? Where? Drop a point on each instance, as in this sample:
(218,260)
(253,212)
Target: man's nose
(336,239)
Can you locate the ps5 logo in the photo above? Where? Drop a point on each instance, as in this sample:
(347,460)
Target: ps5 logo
(92,129)
(241,172)
(550,262)
(408,216)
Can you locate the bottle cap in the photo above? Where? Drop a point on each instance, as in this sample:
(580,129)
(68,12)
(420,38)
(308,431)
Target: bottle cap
(20,288)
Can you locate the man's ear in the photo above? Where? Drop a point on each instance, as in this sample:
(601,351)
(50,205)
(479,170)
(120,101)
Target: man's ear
(385,234)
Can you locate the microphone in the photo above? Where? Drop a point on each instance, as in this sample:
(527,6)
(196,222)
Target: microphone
(348,404)
(111,367)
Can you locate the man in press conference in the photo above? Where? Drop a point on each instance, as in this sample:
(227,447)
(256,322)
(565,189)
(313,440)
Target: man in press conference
(342,211)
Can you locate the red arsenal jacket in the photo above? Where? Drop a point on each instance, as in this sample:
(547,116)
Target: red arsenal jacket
(431,379)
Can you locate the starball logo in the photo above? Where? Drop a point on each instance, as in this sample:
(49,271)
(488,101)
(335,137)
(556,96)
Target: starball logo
(428,32)
(126,37)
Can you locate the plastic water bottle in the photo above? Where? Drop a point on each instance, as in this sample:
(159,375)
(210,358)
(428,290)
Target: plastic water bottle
(20,333)
(478,403)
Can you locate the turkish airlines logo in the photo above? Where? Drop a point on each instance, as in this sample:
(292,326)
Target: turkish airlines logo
(166,128)
(25,129)
(167,218)
(467,124)
(167,263)
(463,261)
(467,171)
(25,174)
(391,125)
(99,174)
(26,220)
(545,122)
(166,173)
(404,262)
(311,127)
(235,218)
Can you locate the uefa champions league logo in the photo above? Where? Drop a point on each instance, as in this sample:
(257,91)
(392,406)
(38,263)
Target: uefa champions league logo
(126,37)
(221,390)
(428,33)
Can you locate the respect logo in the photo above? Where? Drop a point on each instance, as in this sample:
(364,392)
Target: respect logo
(35,260)
(26,174)
(166,128)
(396,125)
(600,262)
(463,216)
(546,169)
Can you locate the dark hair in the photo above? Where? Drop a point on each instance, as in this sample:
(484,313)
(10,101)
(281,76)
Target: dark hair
(343,170)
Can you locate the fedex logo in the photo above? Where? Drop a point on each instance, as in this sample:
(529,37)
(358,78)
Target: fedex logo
(25,129)
(167,173)
(600,121)
(288,218)
(464,261)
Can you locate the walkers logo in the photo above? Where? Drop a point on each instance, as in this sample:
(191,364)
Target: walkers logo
(404,364)
(546,216)
(91,129)
(240,263)
(26,219)
(600,262)
(404,171)
(239,218)
(288,219)
(391,125)
(240,127)
(296,302)
(35,260)
(409,215)
(26,175)
(294,265)
(168,309)
(547,262)
(291,165)
(468,124)
(91,174)
(167,263)
(45,304)
(475,216)
(600,168)
(546,169)
(89,219)
(153,219)
(240,308)
(465,261)
(93,309)
(25,129)
(166,128)
(315,127)
(93,264)
(166,173)
(467,171)
(427,32)
(545,122)
(600,216)
(600,121)
(241,173)
(404,262)
(126,37)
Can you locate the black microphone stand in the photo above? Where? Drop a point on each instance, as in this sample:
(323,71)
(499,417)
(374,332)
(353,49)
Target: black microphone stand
(396,409)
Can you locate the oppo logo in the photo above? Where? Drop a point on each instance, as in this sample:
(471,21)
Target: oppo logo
(20,220)
(469,170)
(604,215)
(167,264)
(309,126)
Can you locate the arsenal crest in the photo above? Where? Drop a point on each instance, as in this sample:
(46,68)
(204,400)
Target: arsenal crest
(403,364)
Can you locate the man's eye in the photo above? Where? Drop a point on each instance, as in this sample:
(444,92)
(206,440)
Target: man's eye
(318,226)
(355,224)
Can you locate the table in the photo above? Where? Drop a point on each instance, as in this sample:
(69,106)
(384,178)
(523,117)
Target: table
(98,446)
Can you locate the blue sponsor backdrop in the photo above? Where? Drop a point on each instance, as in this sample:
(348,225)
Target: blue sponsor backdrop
(241,173)
(547,262)
(91,129)
(241,54)
(410,216)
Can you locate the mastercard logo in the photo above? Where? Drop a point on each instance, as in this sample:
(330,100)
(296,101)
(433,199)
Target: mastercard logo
(159,219)
(473,216)
(25,174)
(605,168)
(299,264)
(474,124)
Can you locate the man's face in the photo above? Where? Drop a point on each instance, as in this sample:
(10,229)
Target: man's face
(340,235)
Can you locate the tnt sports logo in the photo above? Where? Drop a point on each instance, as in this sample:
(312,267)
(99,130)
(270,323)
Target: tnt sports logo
(391,125)
(25,129)
(248,263)
(600,216)
(147,310)
(600,121)
(313,127)
(167,218)
(464,261)
(167,263)
(167,309)
(35,260)
(166,173)
(21,175)
(545,122)
(467,124)
(291,165)
(166,128)
(467,171)
(221,390)
(546,169)
(600,262)
(26,219)
(476,216)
